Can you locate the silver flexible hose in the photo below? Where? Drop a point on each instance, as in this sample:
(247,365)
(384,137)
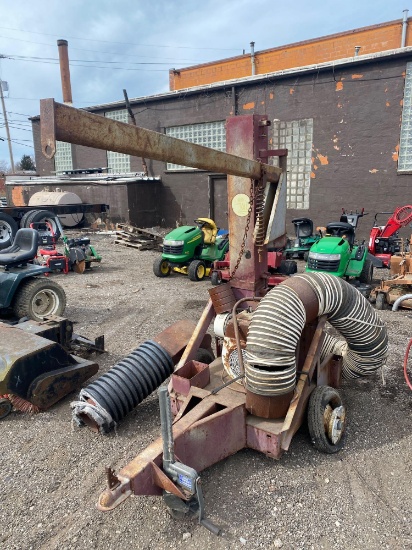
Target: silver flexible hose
(278,322)
(350,313)
(273,335)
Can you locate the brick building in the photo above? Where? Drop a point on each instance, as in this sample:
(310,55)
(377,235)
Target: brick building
(345,116)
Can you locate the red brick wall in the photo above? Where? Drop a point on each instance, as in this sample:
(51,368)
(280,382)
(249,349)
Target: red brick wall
(377,38)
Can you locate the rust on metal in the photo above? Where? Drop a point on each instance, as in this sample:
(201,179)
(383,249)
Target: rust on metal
(304,386)
(243,321)
(174,338)
(191,374)
(112,480)
(48,388)
(198,334)
(245,137)
(64,123)
(65,71)
(222,298)
(272,407)
(329,372)
(306,295)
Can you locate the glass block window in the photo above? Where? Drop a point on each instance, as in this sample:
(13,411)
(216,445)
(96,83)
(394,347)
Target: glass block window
(405,145)
(63,158)
(209,134)
(297,137)
(118,162)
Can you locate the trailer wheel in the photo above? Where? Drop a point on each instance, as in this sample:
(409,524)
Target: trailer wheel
(5,407)
(39,298)
(39,216)
(8,230)
(288,267)
(26,216)
(366,275)
(161,267)
(216,278)
(326,419)
(197,270)
(380,301)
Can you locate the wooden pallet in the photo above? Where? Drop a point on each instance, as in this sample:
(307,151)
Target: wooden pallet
(134,237)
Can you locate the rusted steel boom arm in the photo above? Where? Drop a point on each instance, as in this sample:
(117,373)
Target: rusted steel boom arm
(64,123)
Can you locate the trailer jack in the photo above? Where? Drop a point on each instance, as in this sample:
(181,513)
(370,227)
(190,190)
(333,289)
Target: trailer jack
(184,477)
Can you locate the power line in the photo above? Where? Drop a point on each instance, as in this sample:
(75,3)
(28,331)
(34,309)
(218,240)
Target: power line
(101,52)
(79,65)
(120,43)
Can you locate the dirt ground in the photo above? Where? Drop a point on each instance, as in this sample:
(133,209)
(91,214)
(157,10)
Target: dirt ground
(52,473)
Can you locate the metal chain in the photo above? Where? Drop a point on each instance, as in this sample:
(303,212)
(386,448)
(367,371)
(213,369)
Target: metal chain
(252,197)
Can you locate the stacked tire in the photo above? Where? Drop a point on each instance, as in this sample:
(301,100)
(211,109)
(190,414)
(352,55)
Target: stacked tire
(8,230)
(42,216)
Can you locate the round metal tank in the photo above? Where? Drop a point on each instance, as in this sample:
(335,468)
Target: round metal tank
(58,197)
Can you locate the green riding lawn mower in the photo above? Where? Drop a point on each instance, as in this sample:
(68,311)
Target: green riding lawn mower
(339,254)
(304,239)
(191,250)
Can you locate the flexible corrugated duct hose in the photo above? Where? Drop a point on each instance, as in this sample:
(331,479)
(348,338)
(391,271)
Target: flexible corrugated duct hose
(278,322)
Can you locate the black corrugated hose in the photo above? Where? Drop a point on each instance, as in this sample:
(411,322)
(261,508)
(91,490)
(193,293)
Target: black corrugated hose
(104,402)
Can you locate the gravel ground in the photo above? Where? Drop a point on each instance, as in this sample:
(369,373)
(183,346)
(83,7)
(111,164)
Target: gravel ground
(53,473)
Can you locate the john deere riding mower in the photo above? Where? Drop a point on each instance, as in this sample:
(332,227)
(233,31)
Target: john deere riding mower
(338,254)
(304,239)
(191,250)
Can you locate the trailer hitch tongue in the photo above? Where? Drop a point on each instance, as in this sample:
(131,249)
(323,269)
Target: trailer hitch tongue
(118,489)
(185,478)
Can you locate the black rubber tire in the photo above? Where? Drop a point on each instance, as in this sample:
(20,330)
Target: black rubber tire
(380,302)
(8,230)
(161,267)
(216,278)
(366,274)
(197,270)
(204,356)
(288,267)
(38,216)
(37,298)
(321,397)
(26,216)
(5,407)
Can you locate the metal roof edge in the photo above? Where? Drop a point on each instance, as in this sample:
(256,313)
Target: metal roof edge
(306,69)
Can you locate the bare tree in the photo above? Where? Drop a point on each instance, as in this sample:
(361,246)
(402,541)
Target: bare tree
(4,167)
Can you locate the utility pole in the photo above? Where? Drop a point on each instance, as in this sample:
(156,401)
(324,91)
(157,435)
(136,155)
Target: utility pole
(6,123)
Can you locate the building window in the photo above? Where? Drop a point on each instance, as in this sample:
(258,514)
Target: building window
(209,134)
(63,158)
(118,162)
(297,137)
(405,145)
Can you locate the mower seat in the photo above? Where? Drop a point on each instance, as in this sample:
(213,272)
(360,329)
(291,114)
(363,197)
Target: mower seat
(209,230)
(343,230)
(23,249)
(303,227)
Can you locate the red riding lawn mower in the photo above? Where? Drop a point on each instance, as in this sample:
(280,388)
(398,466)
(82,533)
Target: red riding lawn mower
(384,240)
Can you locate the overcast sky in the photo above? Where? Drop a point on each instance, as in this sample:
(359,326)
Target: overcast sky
(132,44)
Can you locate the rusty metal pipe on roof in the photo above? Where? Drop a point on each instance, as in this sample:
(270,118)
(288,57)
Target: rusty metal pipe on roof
(65,71)
(64,123)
